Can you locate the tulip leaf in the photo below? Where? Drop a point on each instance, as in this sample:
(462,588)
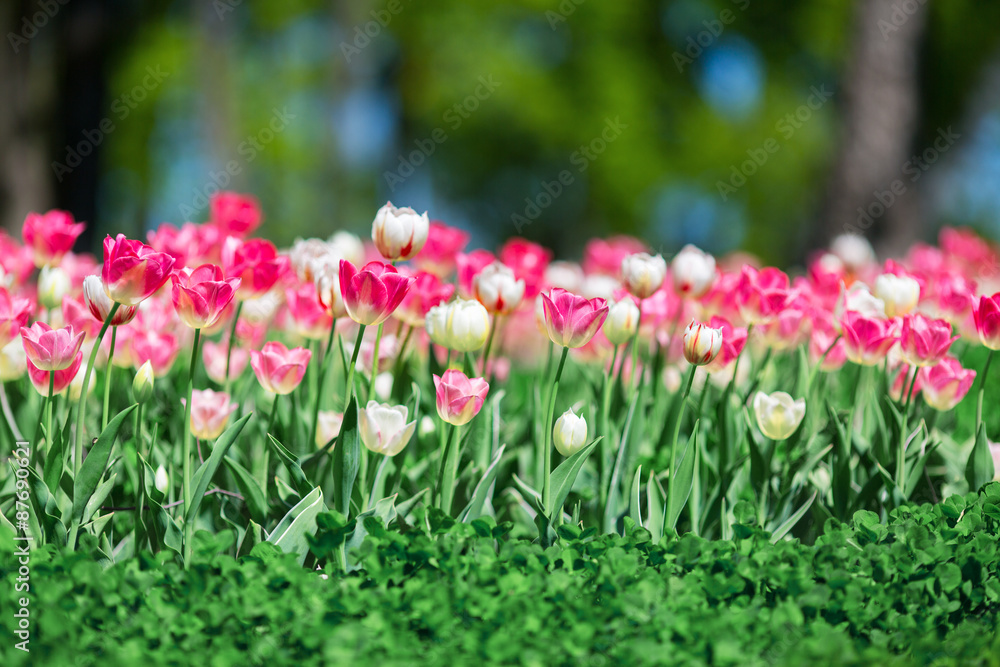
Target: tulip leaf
(564,476)
(94,465)
(654,507)
(790,522)
(634,507)
(100,494)
(979,469)
(681,482)
(248,484)
(302,484)
(347,458)
(203,475)
(474,509)
(290,533)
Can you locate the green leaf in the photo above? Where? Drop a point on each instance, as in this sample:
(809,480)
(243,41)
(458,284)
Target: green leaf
(290,533)
(681,482)
(93,466)
(302,485)
(564,476)
(203,475)
(474,509)
(347,458)
(248,484)
(979,470)
(792,520)
(100,494)
(654,507)
(634,508)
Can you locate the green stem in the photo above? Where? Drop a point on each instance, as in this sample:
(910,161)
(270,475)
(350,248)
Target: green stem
(489,343)
(107,379)
(139,490)
(819,364)
(982,390)
(635,350)
(81,404)
(265,459)
(379,474)
(449,467)
(48,410)
(321,383)
(371,382)
(352,365)
(605,429)
(229,347)
(736,364)
(186,469)
(547,452)
(688,381)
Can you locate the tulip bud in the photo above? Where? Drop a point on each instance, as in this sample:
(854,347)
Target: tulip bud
(461,325)
(899,293)
(399,233)
(161,480)
(570,433)
(701,343)
(384,429)
(142,384)
(497,288)
(778,415)
(328,426)
(53,285)
(693,272)
(623,319)
(643,274)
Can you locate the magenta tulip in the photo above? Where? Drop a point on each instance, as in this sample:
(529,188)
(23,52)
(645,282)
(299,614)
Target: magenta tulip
(571,320)
(132,270)
(923,341)
(374,292)
(51,349)
(278,369)
(200,296)
(459,398)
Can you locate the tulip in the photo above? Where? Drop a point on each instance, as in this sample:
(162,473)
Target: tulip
(13,361)
(568,275)
(761,295)
(190,242)
(528,261)
(142,383)
(399,233)
(328,427)
(823,337)
(643,274)
(923,341)
(854,251)
(132,270)
(778,415)
(60,379)
(498,289)
(569,435)
(383,427)
(571,320)
(200,296)
(426,292)
(734,339)
(214,358)
(210,411)
(900,293)
(987,318)
(859,300)
(469,265)
(788,329)
(51,349)
(604,256)
(161,480)
(50,236)
(312,320)
(255,262)
(443,245)
(622,321)
(459,398)
(693,272)
(234,214)
(867,340)
(14,313)
(160,349)
(701,343)
(99,303)
(326,280)
(371,294)
(278,369)
(53,285)
(461,325)
(944,385)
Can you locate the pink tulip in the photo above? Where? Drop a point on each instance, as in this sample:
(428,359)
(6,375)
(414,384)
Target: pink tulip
(923,341)
(426,292)
(16,260)
(443,245)
(529,261)
(987,317)
(214,356)
(867,340)
(50,236)
(256,262)
(946,384)
(159,349)
(734,339)
(200,296)
(373,293)
(278,369)
(788,329)
(76,314)
(51,349)
(14,314)
(312,320)
(186,245)
(132,270)
(604,256)
(469,266)
(904,375)
(571,320)
(62,378)
(459,398)
(234,214)
(761,295)
(210,412)
(823,336)
(99,304)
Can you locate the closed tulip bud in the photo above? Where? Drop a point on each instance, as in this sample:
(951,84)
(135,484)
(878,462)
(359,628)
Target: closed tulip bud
(623,320)
(643,274)
(987,319)
(701,343)
(899,293)
(461,325)
(497,288)
(384,429)
(161,480)
(778,415)
(399,233)
(53,285)
(142,384)
(569,434)
(278,369)
(693,272)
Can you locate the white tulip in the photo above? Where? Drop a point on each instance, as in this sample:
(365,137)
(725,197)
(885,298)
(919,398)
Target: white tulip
(643,274)
(778,415)
(460,325)
(693,271)
(384,429)
(569,434)
(399,233)
(623,320)
(854,251)
(161,480)
(899,293)
(328,426)
(701,343)
(497,288)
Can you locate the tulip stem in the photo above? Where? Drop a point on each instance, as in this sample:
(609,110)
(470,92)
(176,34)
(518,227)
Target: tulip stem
(679,417)
(982,390)
(48,410)
(736,364)
(635,349)
(547,451)
(321,382)
(265,460)
(450,456)
(189,520)
(352,365)
(819,364)
(605,429)
(378,341)
(489,343)
(107,379)
(139,488)
(82,403)
(229,347)
(379,475)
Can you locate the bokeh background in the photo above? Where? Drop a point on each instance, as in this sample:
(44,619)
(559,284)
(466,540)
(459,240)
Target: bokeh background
(768,125)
